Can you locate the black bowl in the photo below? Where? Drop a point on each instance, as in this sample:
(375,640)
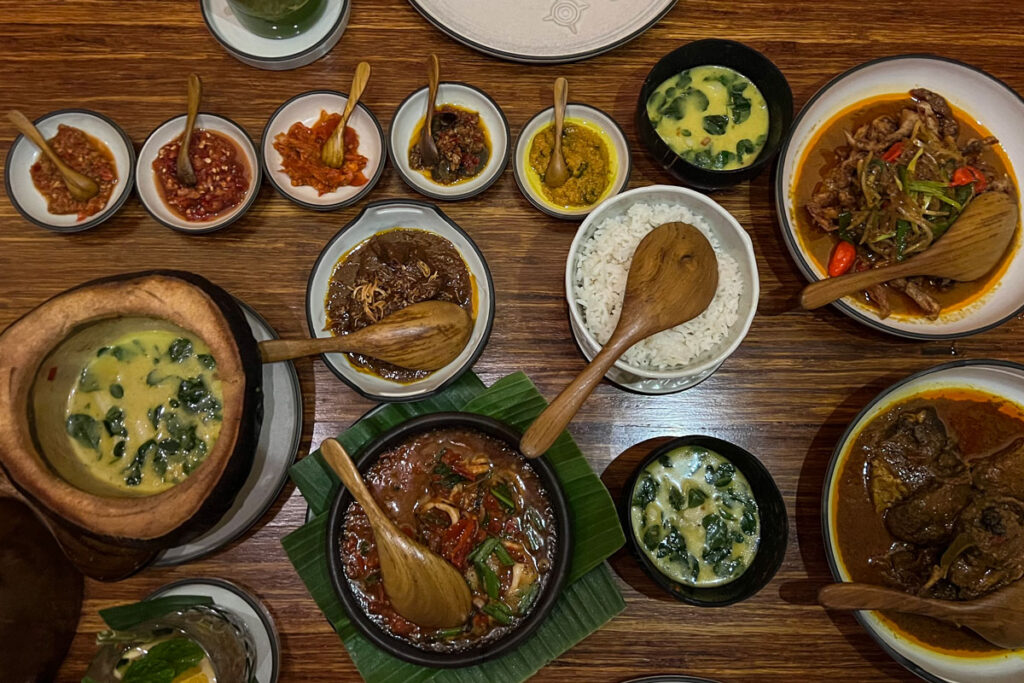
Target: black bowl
(747,61)
(774,527)
(545,602)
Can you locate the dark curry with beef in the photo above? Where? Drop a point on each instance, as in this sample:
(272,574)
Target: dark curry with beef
(386,273)
(884,181)
(476,502)
(931,501)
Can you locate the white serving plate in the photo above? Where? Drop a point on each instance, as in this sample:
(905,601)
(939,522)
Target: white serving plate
(407,118)
(543,31)
(622,161)
(167,132)
(306,107)
(990,101)
(374,218)
(991,376)
(23,154)
(732,238)
(276,54)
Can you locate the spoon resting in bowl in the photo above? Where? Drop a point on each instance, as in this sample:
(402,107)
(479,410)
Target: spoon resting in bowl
(82,187)
(672,278)
(333,151)
(186,174)
(557,172)
(428,148)
(422,586)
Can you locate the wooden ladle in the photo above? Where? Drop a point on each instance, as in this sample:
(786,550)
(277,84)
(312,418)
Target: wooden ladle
(557,172)
(82,187)
(428,148)
(333,151)
(424,336)
(672,279)
(186,174)
(997,617)
(423,587)
(971,248)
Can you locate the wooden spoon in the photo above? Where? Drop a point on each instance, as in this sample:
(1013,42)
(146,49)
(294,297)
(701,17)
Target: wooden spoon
(428,148)
(997,617)
(333,151)
(424,336)
(81,187)
(971,248)
(423,587)
(186,174)
(557,172)
(672,279)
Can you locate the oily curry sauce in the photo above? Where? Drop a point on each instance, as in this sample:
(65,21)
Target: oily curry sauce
(981,424)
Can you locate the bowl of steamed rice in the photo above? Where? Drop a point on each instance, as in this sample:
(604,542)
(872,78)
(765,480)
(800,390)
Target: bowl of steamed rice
(595,281)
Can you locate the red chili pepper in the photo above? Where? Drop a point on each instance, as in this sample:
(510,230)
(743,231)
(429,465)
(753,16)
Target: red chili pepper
(842,258)
(893,153)
(459,540)
(965,175)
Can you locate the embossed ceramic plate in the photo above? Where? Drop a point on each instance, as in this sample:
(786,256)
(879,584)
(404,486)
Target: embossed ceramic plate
(543,31)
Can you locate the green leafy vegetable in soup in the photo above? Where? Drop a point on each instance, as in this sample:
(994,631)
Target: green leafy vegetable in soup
(695,517)
(145,411)
(711,116)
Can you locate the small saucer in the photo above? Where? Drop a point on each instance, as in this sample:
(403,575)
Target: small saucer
(275,453)
(23,154)
(406,121)
(305,108)
(246,607)
(170,130)
(276,54)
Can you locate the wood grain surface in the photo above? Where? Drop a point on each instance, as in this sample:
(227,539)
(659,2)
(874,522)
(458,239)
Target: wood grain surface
(786,394)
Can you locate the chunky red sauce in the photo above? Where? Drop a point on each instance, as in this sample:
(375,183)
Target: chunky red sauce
(300,155)
(85,154)
(477,503)
(222,176)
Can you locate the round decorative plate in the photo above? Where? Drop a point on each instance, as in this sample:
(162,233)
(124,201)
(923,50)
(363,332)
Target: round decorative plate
(275,453)
(543,31)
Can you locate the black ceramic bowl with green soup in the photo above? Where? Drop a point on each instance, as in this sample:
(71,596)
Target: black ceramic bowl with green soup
(705,520)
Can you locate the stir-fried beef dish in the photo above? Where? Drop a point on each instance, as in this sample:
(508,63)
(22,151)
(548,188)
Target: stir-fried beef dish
(897,175)
(932,498)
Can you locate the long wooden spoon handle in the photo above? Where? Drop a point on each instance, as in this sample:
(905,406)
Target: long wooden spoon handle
(28,129)
(277,350)
(860,596)
(343,466)
(433,80)
(561,96)
(359,80)
(822,292)
(553,421)
(195,93)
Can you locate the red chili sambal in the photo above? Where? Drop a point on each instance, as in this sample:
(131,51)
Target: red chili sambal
(477,503)
(300,155)
(85,154)
(222,176)
(462,145)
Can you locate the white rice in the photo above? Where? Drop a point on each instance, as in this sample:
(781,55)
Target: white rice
(602,265)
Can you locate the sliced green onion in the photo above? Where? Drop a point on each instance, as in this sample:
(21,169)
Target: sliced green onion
(489,579)
(529,595)
(504,496)
(451,632)
(902,228)
(499,611)
(503,555)
(483,551)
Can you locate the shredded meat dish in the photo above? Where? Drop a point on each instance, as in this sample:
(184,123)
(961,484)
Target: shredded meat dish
(896,185)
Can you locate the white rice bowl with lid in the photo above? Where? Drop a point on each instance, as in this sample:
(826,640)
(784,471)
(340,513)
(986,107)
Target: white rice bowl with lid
(598,268)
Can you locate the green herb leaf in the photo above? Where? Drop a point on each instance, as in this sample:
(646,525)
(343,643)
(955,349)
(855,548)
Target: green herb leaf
(676,498)
(715,124)
(116,390)
(207,361)
(84,429)
(87,381)
(114,422)
(180,350)
(646,492)
(695,497)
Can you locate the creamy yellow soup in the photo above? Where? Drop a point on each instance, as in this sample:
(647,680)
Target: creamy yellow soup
(711,116)
(145,410)
(695,517)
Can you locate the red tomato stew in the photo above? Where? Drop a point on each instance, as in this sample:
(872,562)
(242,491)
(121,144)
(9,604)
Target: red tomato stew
(300,155)
(222,176)
(88,156)
(476,502)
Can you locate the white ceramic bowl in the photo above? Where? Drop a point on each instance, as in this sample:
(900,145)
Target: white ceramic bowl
(276,54)
(991,376)
(306,107)
(374,218)
(733,240)
(973,91)
(23,153)
(407,119)
(622,160)
(169,131)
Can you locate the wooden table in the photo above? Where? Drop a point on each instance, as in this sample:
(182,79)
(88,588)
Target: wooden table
(786,395)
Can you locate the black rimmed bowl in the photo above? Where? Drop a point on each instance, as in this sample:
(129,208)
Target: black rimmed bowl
(545,602)
(749,63)
(305,108)
(771,549)
(169,131)
(31,204)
